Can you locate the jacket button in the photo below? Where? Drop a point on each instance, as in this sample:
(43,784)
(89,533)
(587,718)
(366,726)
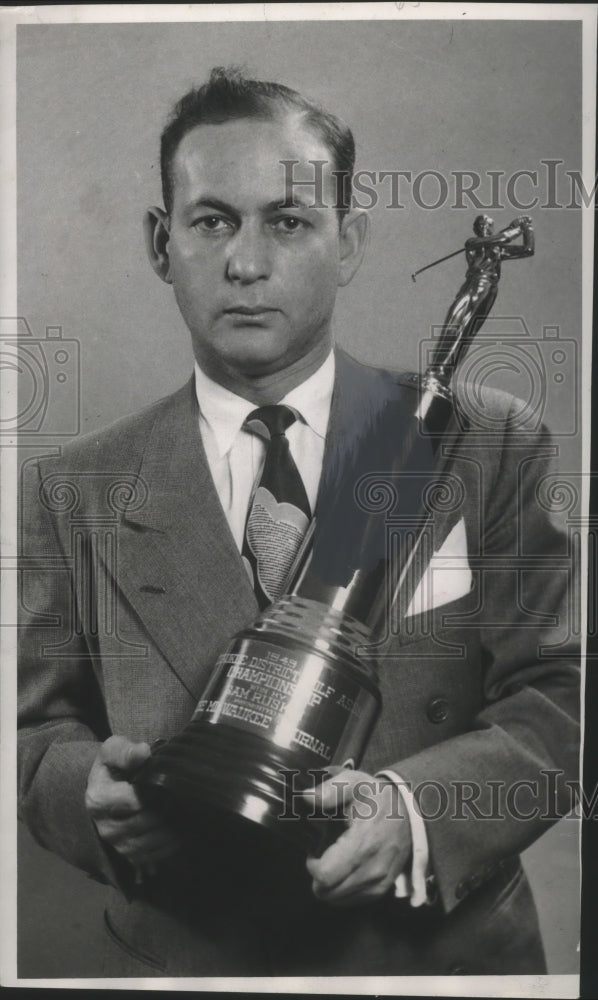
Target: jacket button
(437,710)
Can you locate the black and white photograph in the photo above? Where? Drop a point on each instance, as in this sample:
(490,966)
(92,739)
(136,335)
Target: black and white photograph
(295,325)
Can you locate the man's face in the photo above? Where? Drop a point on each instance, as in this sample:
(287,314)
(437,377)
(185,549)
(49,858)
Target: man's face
(255,283)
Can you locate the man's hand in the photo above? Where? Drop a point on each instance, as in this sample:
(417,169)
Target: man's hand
(364,862)
(522,222)
(121,820)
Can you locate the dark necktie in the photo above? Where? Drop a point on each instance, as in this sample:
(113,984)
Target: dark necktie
(279,512)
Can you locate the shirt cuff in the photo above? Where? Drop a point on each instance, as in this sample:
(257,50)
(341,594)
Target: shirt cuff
(414,883)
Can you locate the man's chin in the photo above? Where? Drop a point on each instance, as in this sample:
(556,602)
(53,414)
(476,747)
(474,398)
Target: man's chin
(258,366)
(257,353)
(260,352)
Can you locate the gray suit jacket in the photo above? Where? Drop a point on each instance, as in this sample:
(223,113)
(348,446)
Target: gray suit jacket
(132,585)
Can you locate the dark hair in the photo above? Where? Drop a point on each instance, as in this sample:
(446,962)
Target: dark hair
(228,95)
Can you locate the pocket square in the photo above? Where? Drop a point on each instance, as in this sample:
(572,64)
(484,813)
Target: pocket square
(448,575)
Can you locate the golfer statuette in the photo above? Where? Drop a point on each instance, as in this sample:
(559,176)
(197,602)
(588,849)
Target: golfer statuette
(297,692)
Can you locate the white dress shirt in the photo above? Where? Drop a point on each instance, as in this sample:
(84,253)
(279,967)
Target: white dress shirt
(236,458)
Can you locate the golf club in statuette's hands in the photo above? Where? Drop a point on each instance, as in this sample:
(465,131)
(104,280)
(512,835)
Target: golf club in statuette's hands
(297,690)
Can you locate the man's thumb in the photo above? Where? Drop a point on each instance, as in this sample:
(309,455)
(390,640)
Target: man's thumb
(123,755)
(334,794)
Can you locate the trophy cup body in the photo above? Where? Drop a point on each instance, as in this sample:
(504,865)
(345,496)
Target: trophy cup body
(286,699)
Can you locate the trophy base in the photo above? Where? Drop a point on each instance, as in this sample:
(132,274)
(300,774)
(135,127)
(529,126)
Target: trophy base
(217,771)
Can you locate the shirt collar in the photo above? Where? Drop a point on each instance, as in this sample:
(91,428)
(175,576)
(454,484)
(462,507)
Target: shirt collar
(225,412)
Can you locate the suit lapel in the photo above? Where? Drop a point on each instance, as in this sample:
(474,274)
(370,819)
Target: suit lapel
(178,564)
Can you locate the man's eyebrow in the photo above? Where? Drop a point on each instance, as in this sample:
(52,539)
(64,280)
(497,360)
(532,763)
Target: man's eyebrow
(290,200)
(214,203)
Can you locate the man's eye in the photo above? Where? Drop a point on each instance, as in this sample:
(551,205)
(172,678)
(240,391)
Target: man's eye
(211,224)
(290,224)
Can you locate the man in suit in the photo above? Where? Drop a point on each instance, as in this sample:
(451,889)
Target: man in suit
(118,660)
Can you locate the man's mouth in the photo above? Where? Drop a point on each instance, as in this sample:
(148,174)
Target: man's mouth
(259,310)
(258,316)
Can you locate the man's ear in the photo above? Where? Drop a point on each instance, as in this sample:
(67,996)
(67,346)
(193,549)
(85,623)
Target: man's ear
(354,232)
(156,230)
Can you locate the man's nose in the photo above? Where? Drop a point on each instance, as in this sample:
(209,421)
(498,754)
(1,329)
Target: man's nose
(249,257)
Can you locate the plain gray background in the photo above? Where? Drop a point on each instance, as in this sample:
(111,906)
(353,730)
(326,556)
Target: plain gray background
(420,96)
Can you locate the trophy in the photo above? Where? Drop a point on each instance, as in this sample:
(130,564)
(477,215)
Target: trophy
(297,691)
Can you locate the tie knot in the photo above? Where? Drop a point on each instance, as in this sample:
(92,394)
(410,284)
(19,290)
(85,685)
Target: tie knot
(270,421)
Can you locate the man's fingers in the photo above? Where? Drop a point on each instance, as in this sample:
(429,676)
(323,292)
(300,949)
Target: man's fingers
(136,824)
(365,860)
(107,797)
(352,871)
(140,837)
(336,863)
(121,754)
(119,816)
(109,793)
(129,840)
(334,795)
